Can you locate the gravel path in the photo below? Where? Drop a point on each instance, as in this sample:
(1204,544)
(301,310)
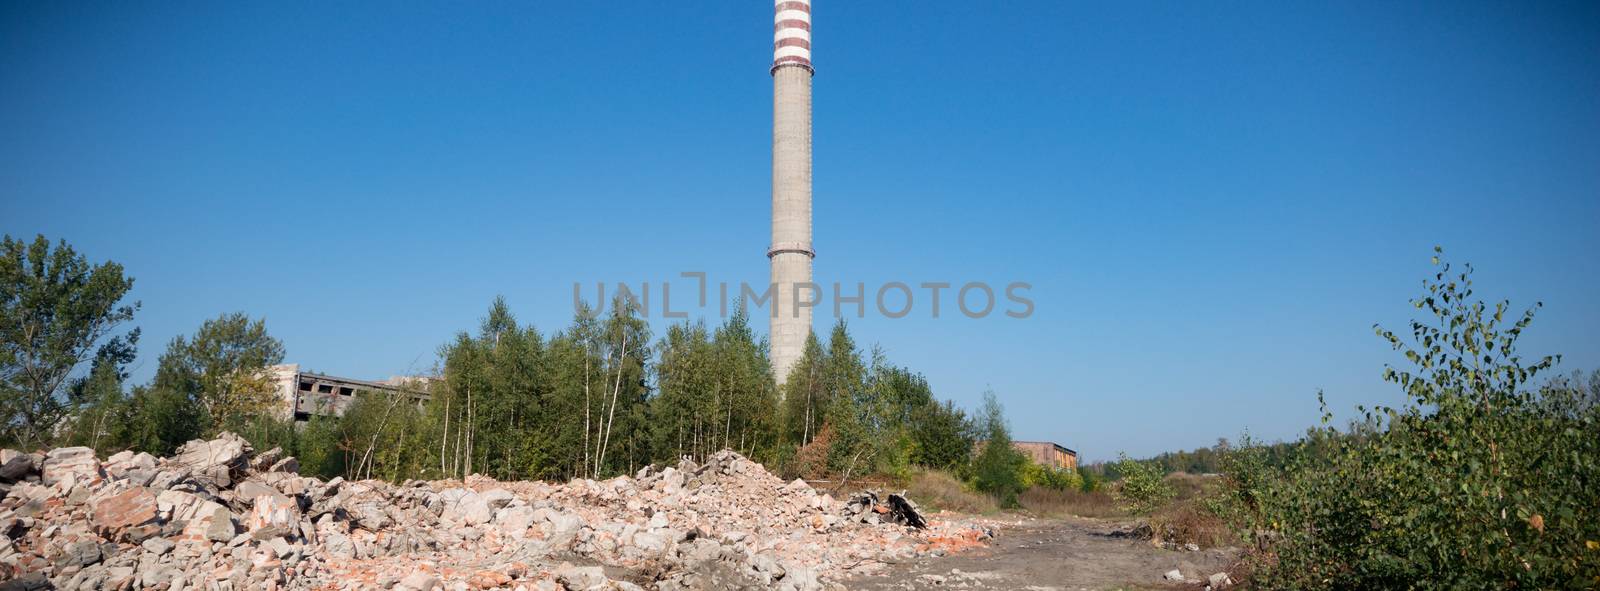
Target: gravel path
(1053,554)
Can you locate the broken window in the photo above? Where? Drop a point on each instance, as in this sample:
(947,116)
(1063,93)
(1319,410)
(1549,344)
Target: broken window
(346,391)
(305,386)
(325,388)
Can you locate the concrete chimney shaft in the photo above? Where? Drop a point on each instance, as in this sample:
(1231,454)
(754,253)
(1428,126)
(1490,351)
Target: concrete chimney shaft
(791,252)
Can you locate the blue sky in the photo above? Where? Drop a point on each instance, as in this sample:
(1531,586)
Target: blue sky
(1213,202)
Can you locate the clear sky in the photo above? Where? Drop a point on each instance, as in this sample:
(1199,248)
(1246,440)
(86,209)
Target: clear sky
(1213,202)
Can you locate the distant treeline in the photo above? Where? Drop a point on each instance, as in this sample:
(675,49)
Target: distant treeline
(1214,459)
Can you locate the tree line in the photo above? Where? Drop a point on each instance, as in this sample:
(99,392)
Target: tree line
(600,397)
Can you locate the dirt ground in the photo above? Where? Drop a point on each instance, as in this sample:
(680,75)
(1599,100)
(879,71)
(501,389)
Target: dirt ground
(1053,554)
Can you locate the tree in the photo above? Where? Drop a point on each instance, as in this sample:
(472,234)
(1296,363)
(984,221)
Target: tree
(744,376)
(997,469)
(942,435)
(56,310)
(686,409)
(572,367)
(804,392)
(844,379)
(492,402)
(626,355)
(223,369)
(101,418)
(909,424)
(162,417)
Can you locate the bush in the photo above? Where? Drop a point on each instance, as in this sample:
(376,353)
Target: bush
(1036,475)
(1476,481)
(1142,488)
(1089,481)
(1191,522)
(1245,477)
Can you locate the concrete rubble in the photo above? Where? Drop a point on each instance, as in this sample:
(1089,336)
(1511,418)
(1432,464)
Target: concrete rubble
(218,516)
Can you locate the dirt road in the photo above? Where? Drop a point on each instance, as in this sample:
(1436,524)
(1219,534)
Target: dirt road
(1053,554)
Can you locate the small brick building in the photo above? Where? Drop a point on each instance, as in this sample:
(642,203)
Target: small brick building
(1045,453)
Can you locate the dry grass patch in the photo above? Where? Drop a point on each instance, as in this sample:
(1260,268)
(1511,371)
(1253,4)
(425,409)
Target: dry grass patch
(1055,503)
(1188,486)
(939,491)
(1187,522)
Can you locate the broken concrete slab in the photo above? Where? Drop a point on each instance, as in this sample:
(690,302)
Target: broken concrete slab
(62,463)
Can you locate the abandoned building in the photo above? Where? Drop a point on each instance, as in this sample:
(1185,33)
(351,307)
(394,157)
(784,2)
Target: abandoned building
(306,393)
(1048,454)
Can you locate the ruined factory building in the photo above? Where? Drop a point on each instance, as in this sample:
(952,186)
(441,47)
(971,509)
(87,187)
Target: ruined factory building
(305,393)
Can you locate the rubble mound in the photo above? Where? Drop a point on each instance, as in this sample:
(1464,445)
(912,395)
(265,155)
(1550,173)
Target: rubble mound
(219,516)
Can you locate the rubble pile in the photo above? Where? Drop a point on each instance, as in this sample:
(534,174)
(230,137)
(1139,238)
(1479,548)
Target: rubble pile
(219,516)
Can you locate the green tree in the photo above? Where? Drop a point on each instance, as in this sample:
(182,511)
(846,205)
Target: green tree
(320,450)
(997,469)
(749,394)
(714,391)
(381,435)
(687,405)
(162,416)
(101,421)
(573,368)
(493,407)
(844,379)
(1090,480)
(223,368)
(56,311)
(943,436)
(1039,475)
(625,355)
(804,393)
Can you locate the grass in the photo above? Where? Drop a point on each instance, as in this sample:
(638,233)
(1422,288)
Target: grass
(1184,520)
(1188,486)
(1056,503)
(939,491)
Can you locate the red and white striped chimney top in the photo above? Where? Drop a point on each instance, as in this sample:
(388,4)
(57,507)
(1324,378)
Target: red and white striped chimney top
(791,33)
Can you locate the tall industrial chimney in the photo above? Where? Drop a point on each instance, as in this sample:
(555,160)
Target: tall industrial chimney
(791,251)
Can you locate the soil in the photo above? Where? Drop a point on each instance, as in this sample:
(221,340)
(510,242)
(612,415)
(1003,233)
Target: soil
(1054,554)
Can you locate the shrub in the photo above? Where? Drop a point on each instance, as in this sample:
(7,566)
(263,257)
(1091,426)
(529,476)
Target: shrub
(1142,489)
(1036,475)
(1191,522)
(1475,481)
(1245,477)
(1089,481)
